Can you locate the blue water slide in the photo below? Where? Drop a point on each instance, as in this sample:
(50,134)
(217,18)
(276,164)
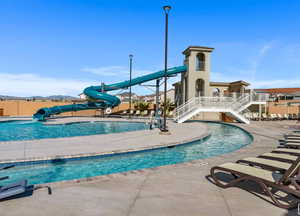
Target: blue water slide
(99,99)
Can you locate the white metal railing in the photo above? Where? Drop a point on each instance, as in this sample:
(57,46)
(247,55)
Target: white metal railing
(185,108)
(182,105)
(205,102)
(242,101)
(236,104)
(259,97)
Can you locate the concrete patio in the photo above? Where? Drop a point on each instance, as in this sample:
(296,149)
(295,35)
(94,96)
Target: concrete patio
(181,189)
(42,149)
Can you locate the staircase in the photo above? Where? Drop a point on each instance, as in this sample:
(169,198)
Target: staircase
(229,105)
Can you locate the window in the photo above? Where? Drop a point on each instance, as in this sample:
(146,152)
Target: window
(200,62)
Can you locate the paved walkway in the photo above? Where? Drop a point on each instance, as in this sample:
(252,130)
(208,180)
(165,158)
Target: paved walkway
(99,144)
(181,189)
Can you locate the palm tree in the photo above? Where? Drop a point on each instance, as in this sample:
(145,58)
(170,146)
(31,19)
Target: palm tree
(170,106)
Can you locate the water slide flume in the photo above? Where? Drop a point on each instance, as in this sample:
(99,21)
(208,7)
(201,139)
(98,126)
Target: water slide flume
(99,99)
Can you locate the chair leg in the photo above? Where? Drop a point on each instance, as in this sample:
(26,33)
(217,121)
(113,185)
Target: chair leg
(264,188)
(229,184)
(267,191)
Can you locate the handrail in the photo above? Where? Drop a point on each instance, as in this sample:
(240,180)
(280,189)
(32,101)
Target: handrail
(227,103)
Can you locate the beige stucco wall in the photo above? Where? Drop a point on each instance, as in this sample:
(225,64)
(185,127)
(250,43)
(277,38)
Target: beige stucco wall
(191,75)
(279,107)
(28,108)
(209,116)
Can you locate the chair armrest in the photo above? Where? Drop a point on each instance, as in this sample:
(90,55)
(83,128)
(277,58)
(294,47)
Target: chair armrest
(3,178)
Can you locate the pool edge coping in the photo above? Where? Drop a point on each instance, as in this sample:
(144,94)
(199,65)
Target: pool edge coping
(99,177)
(74,156)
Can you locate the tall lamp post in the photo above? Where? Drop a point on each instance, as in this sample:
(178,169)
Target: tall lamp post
(130,76)
(167,9)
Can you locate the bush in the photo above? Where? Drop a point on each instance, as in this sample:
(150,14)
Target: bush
(141,105)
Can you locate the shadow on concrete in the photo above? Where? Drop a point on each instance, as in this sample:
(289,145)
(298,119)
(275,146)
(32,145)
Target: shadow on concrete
(253,188)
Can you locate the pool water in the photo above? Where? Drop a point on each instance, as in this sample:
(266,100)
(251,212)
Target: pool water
(29,130)
(224,139)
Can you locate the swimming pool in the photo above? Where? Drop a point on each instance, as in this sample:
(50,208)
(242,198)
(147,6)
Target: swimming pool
(224,139)
(29,130)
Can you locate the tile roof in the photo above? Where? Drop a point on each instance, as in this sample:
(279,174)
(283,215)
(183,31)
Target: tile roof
(279,90)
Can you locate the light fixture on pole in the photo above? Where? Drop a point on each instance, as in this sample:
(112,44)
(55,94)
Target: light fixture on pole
(130,76)
(167,9)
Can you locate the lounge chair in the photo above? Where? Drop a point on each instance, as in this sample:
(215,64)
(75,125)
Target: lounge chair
(290,151)
(13,189)
(145,113)
(270,117)
(273,116)
(18,188)
(250,116)
(286,116)
(247,115)
(264,116)
(256,116)
(285,144)
(280,116)
(124,112)
(292,136)
(276,116)
(268,164)
(266,179)
(138,112)
(295,117)
(292,140)
(280,156)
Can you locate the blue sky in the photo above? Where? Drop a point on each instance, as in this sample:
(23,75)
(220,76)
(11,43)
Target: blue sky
(60,47)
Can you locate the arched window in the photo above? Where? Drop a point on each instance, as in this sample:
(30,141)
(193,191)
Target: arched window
(199,88)
(216,92)
(200,62)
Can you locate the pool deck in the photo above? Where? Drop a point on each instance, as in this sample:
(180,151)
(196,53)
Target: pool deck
(180,189)
(47,149)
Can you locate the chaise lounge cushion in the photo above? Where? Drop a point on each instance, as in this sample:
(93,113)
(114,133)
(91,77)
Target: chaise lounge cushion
(252,171)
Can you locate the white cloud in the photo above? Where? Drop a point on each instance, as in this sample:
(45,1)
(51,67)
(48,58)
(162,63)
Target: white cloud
(275,83)
(257,83)
(33,85)
(257,60)
(114,71)
(263,51)
(27,84)
(106,71)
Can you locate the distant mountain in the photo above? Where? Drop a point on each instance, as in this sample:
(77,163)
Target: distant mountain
(52,97)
